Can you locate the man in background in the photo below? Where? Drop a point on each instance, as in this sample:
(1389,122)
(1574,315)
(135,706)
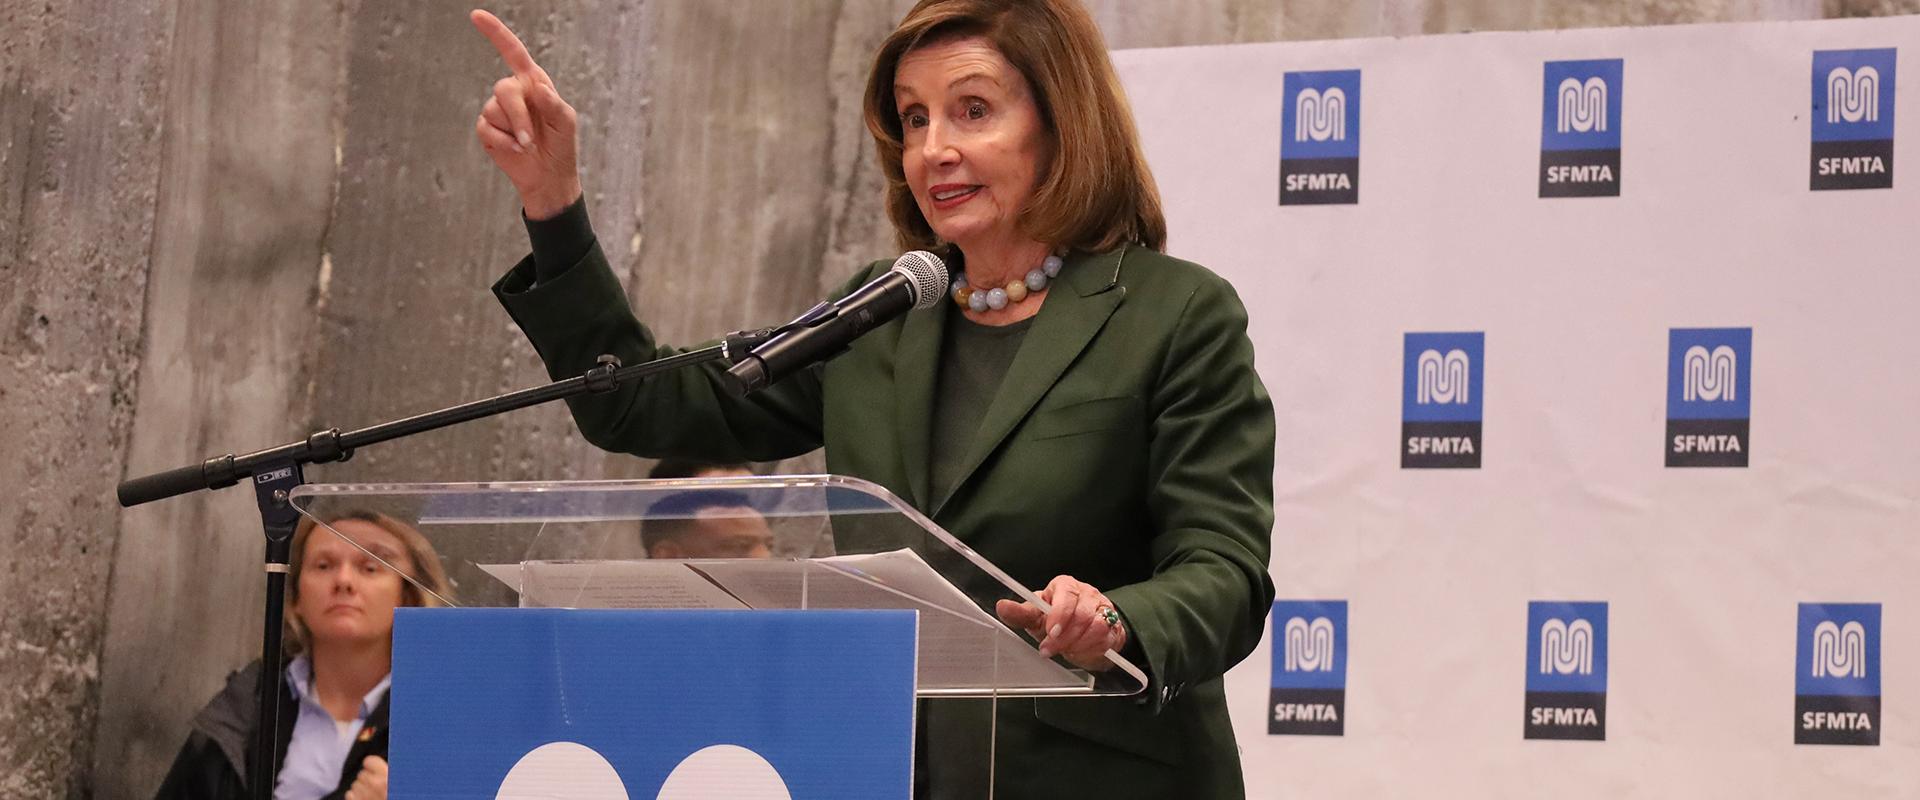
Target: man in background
(707,523)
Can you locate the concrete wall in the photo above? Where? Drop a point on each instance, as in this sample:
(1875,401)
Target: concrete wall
(224,223)
(80,141)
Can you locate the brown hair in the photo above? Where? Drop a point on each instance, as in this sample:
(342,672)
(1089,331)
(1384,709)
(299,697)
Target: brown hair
(426,569)
(1096,193)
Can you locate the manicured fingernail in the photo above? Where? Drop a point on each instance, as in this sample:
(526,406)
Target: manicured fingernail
(516,147)
(525,139)
(1053,631)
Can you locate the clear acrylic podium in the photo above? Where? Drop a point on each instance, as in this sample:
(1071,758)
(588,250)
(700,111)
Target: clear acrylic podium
(754,543)
(785,542)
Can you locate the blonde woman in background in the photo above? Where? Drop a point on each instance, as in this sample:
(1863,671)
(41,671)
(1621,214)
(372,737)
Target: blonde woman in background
(333,711)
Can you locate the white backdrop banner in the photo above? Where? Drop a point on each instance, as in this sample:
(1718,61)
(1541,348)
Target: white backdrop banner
(1599,426)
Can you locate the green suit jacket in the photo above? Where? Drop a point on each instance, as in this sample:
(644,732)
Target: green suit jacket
(1130,446)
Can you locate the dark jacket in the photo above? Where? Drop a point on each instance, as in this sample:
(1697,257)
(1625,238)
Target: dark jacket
(212,765)
(1130,445)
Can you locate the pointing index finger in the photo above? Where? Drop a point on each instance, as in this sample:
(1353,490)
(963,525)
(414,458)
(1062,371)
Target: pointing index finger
(511,49)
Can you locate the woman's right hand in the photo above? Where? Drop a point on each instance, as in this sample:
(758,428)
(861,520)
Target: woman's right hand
(526,128)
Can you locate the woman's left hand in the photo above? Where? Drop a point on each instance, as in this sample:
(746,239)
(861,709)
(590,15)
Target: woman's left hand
(1081,625)
(372,781)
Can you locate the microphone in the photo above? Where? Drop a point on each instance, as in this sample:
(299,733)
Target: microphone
(917,280)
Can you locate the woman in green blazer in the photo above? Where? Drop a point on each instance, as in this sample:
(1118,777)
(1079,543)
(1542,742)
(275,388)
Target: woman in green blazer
(1086,413)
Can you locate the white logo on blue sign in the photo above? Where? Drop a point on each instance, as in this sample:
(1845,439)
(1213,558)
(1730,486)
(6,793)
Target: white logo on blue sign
(1445,378)
(1566,648)
(1853,95)
(1583,105)
(1320,116)
(1309,645)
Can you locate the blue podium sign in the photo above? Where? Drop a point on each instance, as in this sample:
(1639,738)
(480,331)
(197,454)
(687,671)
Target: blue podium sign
(652,705)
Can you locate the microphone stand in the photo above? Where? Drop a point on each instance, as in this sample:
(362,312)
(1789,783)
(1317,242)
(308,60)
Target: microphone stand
(275,472)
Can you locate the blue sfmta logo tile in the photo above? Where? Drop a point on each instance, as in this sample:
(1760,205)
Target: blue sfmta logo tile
(1309,675)
(1580,128)
(1709,396)
(1566,682)
(1852,119)
(1320,138)
(1441,391)
(1836,674)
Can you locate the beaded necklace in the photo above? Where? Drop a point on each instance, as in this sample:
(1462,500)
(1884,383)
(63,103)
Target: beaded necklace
(999,296)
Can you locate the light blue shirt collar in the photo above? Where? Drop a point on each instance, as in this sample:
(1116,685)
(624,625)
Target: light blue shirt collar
(317,753)
(300,680)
